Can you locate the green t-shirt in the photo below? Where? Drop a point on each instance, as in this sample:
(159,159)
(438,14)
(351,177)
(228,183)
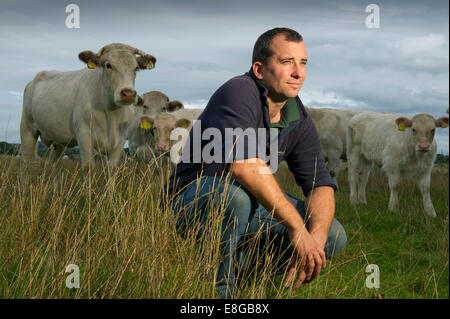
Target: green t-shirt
(289,113)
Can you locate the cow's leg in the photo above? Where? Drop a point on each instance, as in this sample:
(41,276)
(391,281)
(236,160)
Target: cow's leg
(364,171)
(57,152)
(424,186)
(86,153)
(353,157)
(28,139)
(394,184)
(56,165)
(112,163)
(114,157)
(28,150)
(334,164)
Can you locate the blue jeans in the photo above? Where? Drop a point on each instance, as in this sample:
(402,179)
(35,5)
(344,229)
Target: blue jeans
(243,218)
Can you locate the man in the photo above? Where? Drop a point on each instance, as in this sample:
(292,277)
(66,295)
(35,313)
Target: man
(264,98)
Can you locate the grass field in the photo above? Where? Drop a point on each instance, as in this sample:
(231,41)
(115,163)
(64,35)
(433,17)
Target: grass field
(126,245)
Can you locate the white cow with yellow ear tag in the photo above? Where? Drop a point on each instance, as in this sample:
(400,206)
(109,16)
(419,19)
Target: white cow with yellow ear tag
(164,124)
(404,148)
(140,133)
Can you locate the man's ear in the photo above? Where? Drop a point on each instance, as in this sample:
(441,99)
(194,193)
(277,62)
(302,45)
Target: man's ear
(442,122)
(174,106)
(184,123)
(403,123)
(90,58)
(257,69)
(146,62)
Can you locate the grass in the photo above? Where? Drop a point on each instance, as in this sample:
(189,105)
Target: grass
(126,245)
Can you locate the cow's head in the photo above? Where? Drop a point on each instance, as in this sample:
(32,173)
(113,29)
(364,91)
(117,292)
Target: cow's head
(119,65)
(162,125)
(422,128)
(155,102)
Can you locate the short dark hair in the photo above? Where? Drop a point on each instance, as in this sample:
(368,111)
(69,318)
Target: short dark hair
(262,51)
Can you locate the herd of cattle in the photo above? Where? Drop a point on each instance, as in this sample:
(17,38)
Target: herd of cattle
(98,109)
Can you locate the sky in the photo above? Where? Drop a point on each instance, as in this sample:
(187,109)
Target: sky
(400,66)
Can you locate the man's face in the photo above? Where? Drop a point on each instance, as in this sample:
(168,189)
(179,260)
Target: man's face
(284,73)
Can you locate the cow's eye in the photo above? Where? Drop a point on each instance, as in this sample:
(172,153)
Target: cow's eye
(414,130)
(137,69)
(432,131)
(108,65)
(144,106)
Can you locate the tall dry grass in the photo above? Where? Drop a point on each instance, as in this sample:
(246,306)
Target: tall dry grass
(122,238)
(126,244)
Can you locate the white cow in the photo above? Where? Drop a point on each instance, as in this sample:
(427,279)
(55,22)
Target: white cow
(155,102)
(141,141)
(404,148)
(89,107)
(164,123)
(332,126)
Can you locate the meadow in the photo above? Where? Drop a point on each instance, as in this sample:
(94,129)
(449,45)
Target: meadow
(125,243)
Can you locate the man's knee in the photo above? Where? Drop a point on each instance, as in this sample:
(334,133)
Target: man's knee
(337,239)
(238,200)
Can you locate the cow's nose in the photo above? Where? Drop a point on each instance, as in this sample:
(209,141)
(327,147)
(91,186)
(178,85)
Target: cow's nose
(128,93)
(424,147)
(162,147)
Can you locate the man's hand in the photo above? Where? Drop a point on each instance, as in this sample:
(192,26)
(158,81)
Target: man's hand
(307,260)
(309,256)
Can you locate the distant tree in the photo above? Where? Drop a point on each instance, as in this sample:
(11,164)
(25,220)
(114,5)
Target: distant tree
(441,159)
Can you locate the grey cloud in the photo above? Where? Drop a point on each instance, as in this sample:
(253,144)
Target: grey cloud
(401,67)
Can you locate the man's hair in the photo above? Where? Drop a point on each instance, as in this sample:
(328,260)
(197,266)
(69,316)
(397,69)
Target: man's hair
(262,51)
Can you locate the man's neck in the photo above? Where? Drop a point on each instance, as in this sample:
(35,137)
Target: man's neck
(275,108)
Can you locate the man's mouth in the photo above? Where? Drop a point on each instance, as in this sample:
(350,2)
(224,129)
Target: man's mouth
(295,85)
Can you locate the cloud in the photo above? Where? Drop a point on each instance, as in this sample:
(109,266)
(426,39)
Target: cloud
(18,95)
(403,67)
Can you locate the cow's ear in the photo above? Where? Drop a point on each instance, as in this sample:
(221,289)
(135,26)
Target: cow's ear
(174,106)
(403,123)
(146,62)
(184,123)
(140,101)
(90,58)
(146,122)
(442,122)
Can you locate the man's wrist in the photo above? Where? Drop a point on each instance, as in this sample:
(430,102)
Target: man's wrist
(320,236)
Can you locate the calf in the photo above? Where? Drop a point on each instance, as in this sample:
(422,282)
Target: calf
(403,147)
(141,141)
(162,126)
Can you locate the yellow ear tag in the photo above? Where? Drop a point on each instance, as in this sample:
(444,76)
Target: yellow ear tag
(145,64)
(401,126)
(444,125)
(91,65)
(184,125)
(146,125)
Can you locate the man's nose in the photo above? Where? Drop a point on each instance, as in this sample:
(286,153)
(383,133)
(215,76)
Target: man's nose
(298,72)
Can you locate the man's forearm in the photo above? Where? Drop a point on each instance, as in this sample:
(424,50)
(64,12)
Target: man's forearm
(267,191)
(320,206)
